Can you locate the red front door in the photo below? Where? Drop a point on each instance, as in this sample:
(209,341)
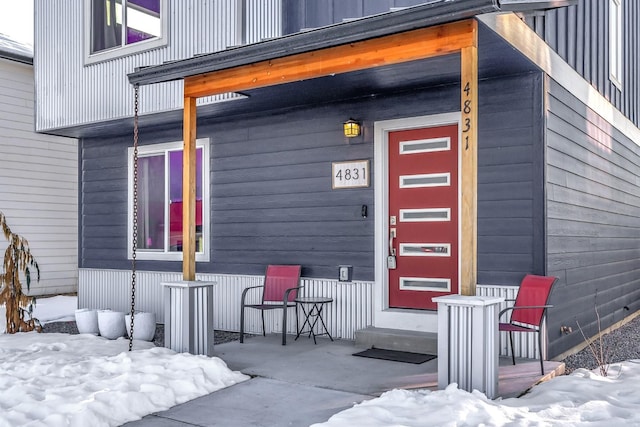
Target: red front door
(423,215)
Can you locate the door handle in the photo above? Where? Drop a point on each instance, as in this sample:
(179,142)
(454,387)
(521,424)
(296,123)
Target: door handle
(392,235)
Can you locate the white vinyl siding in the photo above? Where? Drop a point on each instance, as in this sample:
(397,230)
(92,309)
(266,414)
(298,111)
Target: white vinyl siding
(79,94)
(38,184)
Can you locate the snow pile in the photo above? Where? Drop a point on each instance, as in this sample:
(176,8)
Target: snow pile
(60,379)
(85,380)
(583,398)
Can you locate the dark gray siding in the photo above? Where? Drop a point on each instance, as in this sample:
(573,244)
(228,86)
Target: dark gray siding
(580,35)
(301,14)
(272,200)
(103,202)
(593,220)
(510,190)
(271,193)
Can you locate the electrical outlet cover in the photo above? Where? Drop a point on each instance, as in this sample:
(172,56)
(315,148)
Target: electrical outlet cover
(343,273)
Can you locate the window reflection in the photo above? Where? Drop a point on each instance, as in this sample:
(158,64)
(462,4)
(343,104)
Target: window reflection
(175,200)
(151,202)
(159,194)
(110,28)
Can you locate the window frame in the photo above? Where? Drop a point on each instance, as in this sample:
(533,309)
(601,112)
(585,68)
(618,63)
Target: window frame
(166,255)
(615,42)
(125,49)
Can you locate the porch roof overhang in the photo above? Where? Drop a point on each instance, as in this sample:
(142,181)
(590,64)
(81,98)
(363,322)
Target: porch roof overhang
(431,13)
(426,15)
(496,57)
(434,43)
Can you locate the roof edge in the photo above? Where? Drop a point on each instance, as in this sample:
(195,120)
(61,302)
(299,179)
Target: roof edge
(433,13)
(16,57)
(529,5)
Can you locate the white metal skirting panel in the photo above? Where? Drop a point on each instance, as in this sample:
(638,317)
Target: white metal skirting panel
(470,346)
(190,309)
(524,344)
(351,309)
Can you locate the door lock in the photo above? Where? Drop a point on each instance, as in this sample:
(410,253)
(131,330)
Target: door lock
(391,259)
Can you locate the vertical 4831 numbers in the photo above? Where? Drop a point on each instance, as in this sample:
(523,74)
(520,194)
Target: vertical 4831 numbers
(466,110)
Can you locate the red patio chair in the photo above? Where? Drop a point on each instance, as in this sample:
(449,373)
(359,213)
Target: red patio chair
(280,289)
(529,310)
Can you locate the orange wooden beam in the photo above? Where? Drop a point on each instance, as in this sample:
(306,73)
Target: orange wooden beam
(469,163)
(189,191)
(397,48)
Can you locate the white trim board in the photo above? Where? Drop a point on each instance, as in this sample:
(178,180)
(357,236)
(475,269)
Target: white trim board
(519,35)
(383,316)
(203,143)
(124,49)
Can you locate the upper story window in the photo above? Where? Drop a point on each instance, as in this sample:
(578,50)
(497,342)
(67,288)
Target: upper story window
(160,201)
(615,42)
(122,27)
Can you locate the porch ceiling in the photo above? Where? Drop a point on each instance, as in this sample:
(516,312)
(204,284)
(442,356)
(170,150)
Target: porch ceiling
(495,58)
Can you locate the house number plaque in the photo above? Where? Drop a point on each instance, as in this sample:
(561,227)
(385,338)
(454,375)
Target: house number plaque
(351,174)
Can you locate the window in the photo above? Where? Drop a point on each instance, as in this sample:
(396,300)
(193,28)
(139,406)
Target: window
(160,201)
(615,42)
(120,27)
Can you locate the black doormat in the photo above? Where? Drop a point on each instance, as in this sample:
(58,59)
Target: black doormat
(396,356)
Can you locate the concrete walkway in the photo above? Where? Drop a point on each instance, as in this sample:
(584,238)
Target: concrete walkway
(301,383)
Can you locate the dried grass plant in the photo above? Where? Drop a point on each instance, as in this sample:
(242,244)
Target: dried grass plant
(600,352)
(18,261)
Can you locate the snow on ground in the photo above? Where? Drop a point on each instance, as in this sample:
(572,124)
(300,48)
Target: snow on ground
(84,380)
(60,308)
(583,398)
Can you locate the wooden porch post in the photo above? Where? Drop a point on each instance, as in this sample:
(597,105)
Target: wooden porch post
(189,191)
(469,147)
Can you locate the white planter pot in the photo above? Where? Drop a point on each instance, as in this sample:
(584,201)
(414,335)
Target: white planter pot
(87,321)
(144,326)
(111,324)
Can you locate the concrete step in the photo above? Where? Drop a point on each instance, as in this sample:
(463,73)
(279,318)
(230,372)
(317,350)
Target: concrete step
(396,339)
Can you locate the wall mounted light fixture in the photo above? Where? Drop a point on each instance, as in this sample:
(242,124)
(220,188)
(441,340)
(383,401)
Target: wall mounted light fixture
(351,128)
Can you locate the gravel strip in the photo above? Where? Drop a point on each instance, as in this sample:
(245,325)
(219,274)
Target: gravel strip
(619,345)
(219,337)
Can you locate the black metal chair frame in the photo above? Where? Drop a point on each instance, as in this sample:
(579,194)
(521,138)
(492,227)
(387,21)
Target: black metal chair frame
(527,327)
(284,306)
(538,330)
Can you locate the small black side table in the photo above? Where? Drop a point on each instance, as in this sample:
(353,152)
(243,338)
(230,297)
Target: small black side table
(312,315)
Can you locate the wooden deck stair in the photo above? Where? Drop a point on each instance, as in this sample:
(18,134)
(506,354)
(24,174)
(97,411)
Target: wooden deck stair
(396,339)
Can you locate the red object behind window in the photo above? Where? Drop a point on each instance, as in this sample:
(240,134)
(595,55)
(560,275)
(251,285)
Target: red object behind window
(175,221)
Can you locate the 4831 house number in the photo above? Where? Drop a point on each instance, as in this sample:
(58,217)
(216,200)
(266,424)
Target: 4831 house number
(351,174)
